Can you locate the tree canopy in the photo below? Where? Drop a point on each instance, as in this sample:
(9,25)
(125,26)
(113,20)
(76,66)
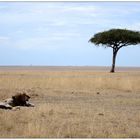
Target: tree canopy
(116,38)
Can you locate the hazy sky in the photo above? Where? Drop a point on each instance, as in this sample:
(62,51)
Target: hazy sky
(57,33)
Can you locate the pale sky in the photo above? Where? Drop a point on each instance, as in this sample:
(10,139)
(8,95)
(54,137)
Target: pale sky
(57,33)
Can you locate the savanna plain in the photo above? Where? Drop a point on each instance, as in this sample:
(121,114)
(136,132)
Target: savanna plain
(72,102)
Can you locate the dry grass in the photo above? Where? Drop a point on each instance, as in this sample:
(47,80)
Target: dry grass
(67,104)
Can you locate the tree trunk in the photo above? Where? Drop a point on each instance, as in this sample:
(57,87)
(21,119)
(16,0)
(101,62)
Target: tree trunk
(113,60)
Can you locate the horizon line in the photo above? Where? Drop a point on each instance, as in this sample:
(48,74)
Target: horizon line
(62,66)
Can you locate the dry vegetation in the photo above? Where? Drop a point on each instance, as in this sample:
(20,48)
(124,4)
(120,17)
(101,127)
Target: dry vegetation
(72,104)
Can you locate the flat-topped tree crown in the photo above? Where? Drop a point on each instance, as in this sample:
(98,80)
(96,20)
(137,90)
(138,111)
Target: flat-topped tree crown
(116,39)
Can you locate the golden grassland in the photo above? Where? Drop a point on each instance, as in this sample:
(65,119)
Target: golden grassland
(72,104)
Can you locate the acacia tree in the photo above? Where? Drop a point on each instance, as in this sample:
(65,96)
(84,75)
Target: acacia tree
(116,39)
